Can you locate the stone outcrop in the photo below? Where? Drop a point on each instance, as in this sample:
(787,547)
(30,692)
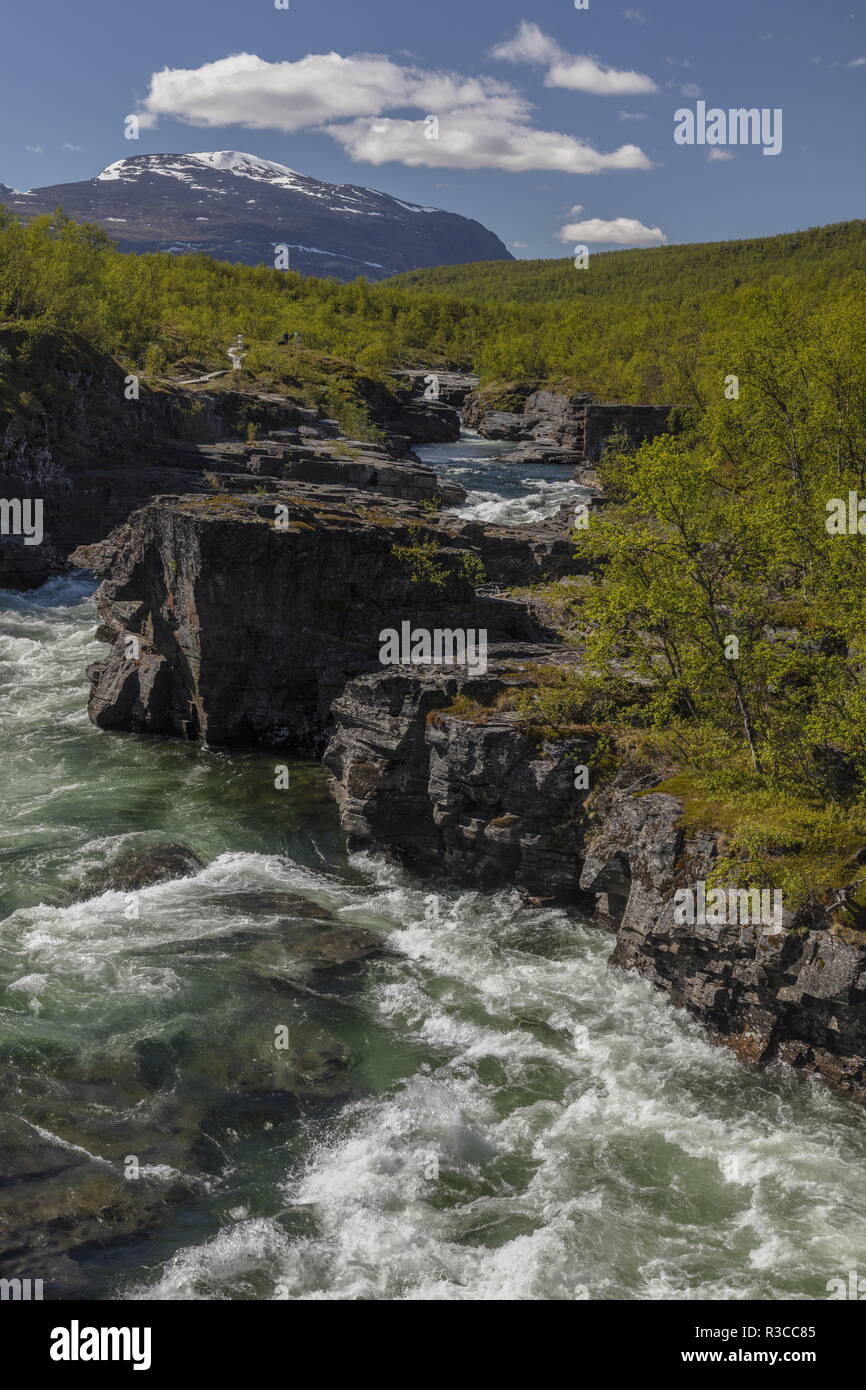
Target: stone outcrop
(502,424)
(75,442)
(797,995)
(240,616)
(431,768)
(422,422)
(436,769)
(553,427)
(286,456)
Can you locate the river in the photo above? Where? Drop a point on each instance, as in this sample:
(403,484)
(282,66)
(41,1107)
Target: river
(510,1118)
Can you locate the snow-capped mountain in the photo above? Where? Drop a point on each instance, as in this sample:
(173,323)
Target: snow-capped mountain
(237,207)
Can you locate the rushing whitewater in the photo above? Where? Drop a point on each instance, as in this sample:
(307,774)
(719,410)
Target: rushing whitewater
(498,492)
(515,1119)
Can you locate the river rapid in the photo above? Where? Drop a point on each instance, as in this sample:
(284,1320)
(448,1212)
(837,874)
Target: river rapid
(491,1111)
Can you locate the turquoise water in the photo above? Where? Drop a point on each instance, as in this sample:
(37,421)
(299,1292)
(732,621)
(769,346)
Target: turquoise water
(489,1112)
(504,493)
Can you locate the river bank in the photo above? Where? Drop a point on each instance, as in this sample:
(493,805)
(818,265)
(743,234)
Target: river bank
(511,1118)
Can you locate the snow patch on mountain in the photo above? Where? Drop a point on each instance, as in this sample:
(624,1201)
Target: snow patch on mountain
(150,202)
(247,165)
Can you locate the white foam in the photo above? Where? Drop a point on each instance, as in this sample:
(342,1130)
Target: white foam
(590,1142)
(542,500)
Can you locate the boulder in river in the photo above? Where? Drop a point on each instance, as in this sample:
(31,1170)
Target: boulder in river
(136,868)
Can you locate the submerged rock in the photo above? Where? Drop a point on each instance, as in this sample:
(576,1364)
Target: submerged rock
(133,869)
(268,902)
(319,950)
(56,1200)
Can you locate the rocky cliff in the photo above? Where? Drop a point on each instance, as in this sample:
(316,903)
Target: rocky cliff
(241,615)
(73,439)
(435,769)
(795,995)
(440,772)
(558,427)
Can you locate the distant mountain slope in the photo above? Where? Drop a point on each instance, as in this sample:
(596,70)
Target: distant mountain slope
(236,207)
(672,273)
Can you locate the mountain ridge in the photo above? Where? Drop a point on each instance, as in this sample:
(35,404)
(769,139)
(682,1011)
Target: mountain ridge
(238,207)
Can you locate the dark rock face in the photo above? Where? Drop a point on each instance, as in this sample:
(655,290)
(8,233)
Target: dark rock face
(231,626)
(449,388)
(797,995)
(424,422)
(520,555)
(427,767)
(349,463)
(556,428)
(83,450)
(430,769)
(92,457)
(236,207)
(502,424)
(639,422)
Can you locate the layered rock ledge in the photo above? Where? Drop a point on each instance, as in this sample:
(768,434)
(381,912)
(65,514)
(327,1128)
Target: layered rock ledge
(239,616)
(553,427)
(92,443)
(432,767)
(436,769)
(796,995)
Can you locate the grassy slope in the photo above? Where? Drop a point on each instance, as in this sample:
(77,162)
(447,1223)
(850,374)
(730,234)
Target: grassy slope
(671,273)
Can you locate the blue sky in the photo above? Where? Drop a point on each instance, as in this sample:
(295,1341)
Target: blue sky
(520,130)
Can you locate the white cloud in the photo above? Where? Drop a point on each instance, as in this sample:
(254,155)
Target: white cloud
(633,116)
(245,90)
(478,138)
(484,123)
(78,149)
(584,74)
(34,149)
(637,15)
(715,155)
(857,63)
(620,231)
(520,245)
(575,72)
(529,45)
(690,89)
